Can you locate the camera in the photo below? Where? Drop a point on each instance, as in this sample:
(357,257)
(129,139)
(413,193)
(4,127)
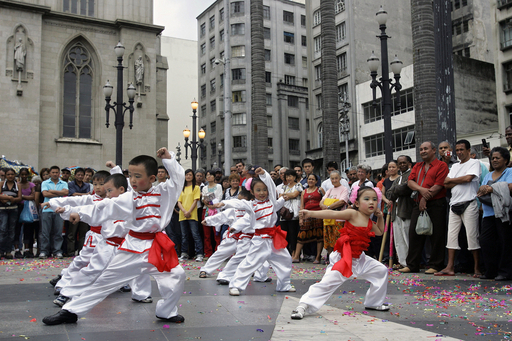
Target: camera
(448,153)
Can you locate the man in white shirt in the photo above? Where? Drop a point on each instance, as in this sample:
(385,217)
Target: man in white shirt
(463,180)
(327,184)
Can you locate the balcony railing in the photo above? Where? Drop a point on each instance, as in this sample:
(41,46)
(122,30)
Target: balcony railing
(504,3)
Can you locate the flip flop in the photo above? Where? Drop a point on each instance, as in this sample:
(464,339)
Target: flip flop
(442,273)
(477,275)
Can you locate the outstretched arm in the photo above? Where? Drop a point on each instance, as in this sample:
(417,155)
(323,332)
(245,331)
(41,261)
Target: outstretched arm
(120,208)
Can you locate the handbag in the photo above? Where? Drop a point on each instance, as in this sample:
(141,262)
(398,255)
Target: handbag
(424,225)
(33,209)
(461,207)
(285,214)
(26,215)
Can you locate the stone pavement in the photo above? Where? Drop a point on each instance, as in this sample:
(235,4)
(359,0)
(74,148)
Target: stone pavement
(423,308)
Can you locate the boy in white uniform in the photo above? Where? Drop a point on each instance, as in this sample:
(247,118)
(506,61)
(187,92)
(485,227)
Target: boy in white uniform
(147,210)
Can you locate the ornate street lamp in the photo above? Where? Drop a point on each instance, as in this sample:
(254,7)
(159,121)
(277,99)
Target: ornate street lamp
(194,145)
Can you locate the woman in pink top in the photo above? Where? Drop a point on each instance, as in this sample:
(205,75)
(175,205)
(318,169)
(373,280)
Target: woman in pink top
(27,194)
(340,193)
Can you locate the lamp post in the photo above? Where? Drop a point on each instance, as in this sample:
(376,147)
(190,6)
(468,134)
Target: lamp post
(385,84)
(178,153)
(219,147)
(119,107)
(194,145)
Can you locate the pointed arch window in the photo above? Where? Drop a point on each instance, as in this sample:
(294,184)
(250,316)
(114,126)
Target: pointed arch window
(78,80)
(320,133)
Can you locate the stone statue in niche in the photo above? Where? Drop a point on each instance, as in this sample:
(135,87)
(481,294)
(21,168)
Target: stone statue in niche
(139,71)
(19,55)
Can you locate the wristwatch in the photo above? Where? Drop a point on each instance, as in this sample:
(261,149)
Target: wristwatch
(329,207)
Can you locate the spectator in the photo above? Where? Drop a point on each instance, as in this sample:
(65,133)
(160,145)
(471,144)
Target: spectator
(218,175)
(2,174)
(44,173)
(446,154)
(240,168)
(508,137)
(200,181)
(279,188)
(483,167)
(278,167)
(327,184)
(311,229)
(351,175)
(10,196)
(225,183)
(89,173)
(51,229)
(463,180)
(234,189)
(187,203)
(298,170)
(77,187)
(307,165)
(275,177)
(400,194)
(427,179)
(334,199)
(247,173)
(496,234)
(211,194)
(291,194)
(161,176)
(66,173)
(363,171)
(38,198)
(232,170)
(382,176)
(27,194)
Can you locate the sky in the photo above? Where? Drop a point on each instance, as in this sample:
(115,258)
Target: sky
(179,16)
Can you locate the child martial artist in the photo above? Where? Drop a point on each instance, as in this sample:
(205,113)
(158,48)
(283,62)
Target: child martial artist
(348,259)
(269,242)
(147,210)
(104,250)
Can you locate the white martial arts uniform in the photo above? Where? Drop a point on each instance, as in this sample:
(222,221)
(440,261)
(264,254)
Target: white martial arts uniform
(363,267)
(263,216)
(145,213)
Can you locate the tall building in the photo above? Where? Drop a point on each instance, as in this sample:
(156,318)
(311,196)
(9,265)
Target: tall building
(286,80)
(356,30)
(57,56)
(502,32)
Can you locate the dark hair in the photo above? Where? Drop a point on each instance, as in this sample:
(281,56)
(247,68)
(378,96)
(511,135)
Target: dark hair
(101,175)
(384,169)
(163,167)
(193,179)
(313,174)
(209,171)
(42,170)
(243,164)
(332,164)
(225,178)
(307,160)
(66,170)
(254,182)
(298,166)
(54,167)
(245,193)
(90,170)
(118,180)
(24,170)
(504,153)
(79,170)
(361,190)
(408,158)
(9,170)
(290,172)
(278,164)
(466,143)
(149,163)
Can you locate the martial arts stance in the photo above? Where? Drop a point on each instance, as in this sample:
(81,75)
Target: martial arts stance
(348,259)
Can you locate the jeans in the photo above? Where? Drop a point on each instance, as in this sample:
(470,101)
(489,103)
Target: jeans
(192,226)
(51,233)
(173,230)
(73,244)
(8,220)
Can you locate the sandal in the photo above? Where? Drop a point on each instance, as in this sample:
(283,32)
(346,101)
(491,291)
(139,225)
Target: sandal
(316,262)
(203,274)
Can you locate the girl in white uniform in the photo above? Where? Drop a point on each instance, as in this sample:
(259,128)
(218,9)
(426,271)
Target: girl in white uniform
(269,242)
(348,259)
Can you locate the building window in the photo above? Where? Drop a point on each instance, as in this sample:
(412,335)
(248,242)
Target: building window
(305,82)
(269,121)
(290,80)
(213,145)
(307,125)
(238,96)
(289,58)
(289,37)
(269,99)
(456,4)
(505,35)
(341,32)
(212,86)
(304,41)
(222,81)
(467,52)
(288,17)
(374,113)
(212,43)
(238,74)
(294,145)
(239,119)
(270,143)
(318,72)
(293,122)
(213,106)
(221,15)
(213,127)
(464,2)
(319,101)
(508,76)
(82,7)
(221,35)
(268,77)
(318,43)
(266,12)
(203,91)
(202,30)
(237,29)
(203,49)
(320,134)
(203,68)
(212,63)
(238,51)
(305,62)
(317,18)
(339,6)
(203,110)
(240,141)
(78,85)
(212,22)
(465,26)
(266,33)
(343,91)
(302,20)
(237,8)
(267,55)
(374,145)
(293,101)
(341,62)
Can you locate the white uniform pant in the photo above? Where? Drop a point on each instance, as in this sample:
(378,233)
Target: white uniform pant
(226,248)
(401,237)
(80,261)
(101,258)
(363,267)
(470,220)
(261,250)
(125,267)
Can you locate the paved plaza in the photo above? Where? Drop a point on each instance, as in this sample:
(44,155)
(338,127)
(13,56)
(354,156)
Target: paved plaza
(423,308)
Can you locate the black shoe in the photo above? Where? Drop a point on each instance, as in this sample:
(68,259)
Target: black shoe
(175,319)
(500,278)
(18,254)
(8,255)
(28,254)
(222,282)
(55,280)
(268,280)
(126,288)
(56,292)
(63,316)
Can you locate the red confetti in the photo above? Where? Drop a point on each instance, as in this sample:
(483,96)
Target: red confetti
(33,320)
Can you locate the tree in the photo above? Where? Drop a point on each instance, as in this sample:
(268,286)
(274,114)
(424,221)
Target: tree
(258,98)
(330,122)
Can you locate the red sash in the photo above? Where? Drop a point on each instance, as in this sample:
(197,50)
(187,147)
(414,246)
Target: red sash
(162,253)
(352,242)
(278,236)
(116,240)
(96,229)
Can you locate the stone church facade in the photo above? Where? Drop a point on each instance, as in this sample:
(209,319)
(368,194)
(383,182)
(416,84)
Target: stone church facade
(55,57)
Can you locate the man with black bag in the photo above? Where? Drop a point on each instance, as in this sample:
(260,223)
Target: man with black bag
(463,180)
(427,182)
